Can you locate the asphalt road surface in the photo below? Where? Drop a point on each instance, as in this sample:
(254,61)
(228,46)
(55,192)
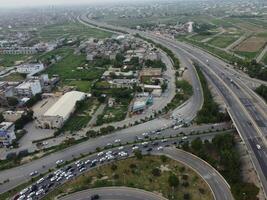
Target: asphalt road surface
(19,175)
(219,187)
(114,193)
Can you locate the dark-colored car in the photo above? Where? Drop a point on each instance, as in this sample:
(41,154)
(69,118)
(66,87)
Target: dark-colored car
(95,196)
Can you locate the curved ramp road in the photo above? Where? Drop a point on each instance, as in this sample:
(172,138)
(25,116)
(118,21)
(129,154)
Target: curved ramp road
(112,193)
(218,185)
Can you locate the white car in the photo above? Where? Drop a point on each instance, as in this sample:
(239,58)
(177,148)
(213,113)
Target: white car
(108,152)
(22,192)
(77,162)
(145,143)
(40,180)
(145,134)
(31,195)
(59,162)
(33,173)
(258,146)
(117,141)
(69,177)
(53,178)
(22,197)
(184,138)
(39,192)
(135,148)
(82,169)
(100,153)
(121,148)
(87,162)
(160,148)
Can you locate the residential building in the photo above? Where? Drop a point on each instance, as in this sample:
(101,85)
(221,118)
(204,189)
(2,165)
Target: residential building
(28,88)
(7,134)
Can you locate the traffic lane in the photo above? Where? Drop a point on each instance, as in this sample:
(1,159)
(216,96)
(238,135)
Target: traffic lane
(53,180)
(111,193)
(216,182)
(219,68)
(20,174)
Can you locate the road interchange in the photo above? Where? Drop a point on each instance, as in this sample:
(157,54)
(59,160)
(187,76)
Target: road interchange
(246,109)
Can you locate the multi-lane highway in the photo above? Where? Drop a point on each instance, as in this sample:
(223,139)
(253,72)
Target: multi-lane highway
(19,175)
(219,187)
(246,109)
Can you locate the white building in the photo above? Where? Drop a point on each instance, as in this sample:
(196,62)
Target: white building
(28,88)
(7,134)
(30,68)
(55,116)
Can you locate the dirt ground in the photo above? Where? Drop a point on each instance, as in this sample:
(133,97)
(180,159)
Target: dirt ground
(248,172)
(252,44)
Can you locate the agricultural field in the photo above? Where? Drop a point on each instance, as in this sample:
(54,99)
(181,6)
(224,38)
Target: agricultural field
(151,173)
(223,40)
(52,32)
(252,44)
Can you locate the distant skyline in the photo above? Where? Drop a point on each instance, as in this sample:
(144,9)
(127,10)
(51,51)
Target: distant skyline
(32,3)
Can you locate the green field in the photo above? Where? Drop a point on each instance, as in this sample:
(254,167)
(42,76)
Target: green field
(151,173)
(223,40)
(10,60)
(83,86)
(67,68)
(13,77)
(55,31)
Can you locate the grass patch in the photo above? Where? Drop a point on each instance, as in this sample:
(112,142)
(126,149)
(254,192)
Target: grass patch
(186,91)
(10,60)
(13,77)
(83,86)
(144,173)
(52,32)
(67,68)
(81,116)
(223,41)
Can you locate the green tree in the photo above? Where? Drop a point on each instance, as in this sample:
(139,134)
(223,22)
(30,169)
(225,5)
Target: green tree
(138,154)
(173,180)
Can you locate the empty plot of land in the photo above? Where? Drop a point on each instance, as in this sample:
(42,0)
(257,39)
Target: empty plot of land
(224,40)
(252,44)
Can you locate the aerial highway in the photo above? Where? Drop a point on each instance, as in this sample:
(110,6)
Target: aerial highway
(187,111)
(246,109)
(119,193)
(217,184)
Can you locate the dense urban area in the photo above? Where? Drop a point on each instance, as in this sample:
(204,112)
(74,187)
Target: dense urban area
(155,99)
